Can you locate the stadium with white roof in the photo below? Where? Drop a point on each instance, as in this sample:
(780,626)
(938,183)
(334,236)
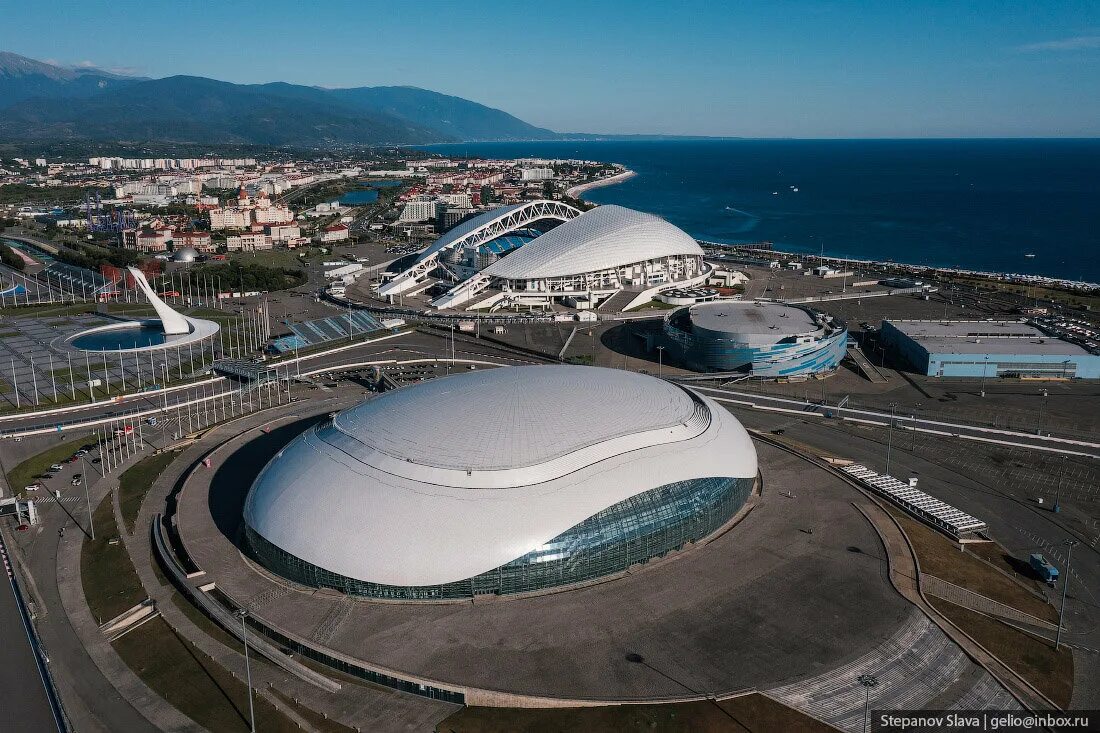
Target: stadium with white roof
(504,481)
(506,258)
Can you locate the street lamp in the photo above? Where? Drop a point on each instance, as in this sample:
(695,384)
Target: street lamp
(890,437)
(985,371)
(868,681)
(87,497)
(660,360)
(1039,421)
(1065,586)
(247,670)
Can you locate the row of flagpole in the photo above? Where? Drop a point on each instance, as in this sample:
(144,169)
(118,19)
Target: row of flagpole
(240,335)
(181,288)
(124,436)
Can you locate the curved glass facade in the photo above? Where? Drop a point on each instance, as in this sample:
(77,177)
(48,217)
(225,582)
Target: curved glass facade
(791,356)
(633,531)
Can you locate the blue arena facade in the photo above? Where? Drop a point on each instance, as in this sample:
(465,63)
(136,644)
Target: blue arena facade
(765,339)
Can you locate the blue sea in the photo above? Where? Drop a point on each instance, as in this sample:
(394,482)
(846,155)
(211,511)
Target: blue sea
(975,204)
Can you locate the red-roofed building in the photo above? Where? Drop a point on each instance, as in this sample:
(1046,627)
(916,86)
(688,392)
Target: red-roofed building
(335,233)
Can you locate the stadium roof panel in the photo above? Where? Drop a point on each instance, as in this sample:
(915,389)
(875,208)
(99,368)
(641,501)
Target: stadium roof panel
(602,238)
(518,417)
(465,228)
(753,317)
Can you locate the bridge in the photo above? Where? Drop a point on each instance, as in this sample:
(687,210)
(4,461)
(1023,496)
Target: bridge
(482,228)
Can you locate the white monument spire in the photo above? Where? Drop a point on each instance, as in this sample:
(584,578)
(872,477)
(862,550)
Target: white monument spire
(170,320)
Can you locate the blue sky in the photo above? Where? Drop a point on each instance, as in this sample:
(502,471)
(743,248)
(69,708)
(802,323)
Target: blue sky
(771,69)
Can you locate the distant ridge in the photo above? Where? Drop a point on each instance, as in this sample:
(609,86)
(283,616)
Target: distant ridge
(43,102)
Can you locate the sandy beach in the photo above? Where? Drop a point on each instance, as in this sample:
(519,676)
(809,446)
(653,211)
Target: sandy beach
(578,191)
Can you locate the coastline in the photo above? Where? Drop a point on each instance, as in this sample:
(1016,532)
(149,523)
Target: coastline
(915,269)
(579,190)
(1008,277)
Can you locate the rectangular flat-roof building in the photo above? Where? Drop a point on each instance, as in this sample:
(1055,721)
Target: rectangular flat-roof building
(987,348)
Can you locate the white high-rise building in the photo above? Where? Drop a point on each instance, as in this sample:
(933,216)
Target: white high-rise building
(422,208)
(537,174)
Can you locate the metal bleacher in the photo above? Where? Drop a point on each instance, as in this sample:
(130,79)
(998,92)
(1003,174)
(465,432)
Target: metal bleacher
(954,522)
(323,330)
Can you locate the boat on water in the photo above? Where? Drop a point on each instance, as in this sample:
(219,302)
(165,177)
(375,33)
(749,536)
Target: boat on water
(1029,255)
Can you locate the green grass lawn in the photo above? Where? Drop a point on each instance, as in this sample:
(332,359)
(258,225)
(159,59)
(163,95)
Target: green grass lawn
(1035,660)
(190,681)
(25,472)
(135,482)
(43,311)
(111,585)
(736,715)
(941,557)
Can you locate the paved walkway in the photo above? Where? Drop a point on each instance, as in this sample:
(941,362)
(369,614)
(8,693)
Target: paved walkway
(365,706)
(158,714)
(917,668)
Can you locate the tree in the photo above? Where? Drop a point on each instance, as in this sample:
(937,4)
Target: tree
(10,258)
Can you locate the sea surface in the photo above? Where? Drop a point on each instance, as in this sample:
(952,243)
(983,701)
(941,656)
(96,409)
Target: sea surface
(974,204)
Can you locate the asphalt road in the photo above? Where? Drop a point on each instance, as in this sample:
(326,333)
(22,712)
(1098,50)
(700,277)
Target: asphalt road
(25,706)
(1015,520)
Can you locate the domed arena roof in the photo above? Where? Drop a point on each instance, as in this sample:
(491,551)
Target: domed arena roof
(444,480)
(185,254)
(602,238)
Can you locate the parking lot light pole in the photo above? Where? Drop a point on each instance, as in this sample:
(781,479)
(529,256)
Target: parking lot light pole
(1065,587)
(868,681)
(87,497)
(890,437)
(247,670)
(1039,420)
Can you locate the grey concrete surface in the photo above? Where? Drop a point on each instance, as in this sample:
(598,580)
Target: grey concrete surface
(25,705)
(731,614)
(979,480)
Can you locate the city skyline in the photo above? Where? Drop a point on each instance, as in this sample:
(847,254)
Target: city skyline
(793,70)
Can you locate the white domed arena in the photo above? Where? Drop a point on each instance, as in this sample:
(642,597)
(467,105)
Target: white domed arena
(502,481)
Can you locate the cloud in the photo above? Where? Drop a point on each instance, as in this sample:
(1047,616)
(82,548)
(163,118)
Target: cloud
(1074,43)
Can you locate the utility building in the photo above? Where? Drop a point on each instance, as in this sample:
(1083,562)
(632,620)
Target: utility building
(988,349)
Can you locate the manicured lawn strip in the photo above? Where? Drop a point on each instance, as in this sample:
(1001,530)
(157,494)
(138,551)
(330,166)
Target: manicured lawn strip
(1032,658)
(1003,559)
(942,558)
(111,585)
(25,472)
(134,484)
(198,687)
(739,714)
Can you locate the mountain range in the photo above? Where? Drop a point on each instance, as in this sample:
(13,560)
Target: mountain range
(43,102)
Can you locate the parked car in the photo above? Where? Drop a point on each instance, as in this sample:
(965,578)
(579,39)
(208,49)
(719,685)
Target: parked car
(56,467)
(96,460)
(33,487)
(77,481)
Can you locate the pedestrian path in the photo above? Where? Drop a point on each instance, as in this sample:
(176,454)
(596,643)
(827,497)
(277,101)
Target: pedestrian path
(917,666)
